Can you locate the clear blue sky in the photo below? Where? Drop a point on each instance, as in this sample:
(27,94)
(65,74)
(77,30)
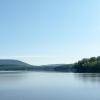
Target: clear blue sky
(49,31)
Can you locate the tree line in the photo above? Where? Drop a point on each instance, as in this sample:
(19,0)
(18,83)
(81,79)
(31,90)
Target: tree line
(88,65)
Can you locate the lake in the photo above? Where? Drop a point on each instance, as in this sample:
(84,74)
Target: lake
(49,86)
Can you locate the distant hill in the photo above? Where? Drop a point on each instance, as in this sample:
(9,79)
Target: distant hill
(83,66)
(12,62)
(57,67)
(6,64)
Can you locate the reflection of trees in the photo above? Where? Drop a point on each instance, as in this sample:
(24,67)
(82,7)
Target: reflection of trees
(94,77)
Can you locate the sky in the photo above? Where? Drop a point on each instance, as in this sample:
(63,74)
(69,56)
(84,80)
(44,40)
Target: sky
(49,31)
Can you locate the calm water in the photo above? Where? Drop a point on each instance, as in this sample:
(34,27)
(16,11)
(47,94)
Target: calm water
(49,86)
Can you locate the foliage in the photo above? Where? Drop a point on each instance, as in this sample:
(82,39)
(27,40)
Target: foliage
(88,65)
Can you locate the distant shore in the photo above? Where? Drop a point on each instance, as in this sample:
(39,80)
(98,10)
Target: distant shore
(90,65)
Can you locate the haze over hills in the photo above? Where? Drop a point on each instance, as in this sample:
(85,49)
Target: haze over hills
(10,64)
(85,65)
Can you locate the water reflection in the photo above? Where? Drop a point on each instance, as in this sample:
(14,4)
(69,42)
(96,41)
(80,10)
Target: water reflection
(49,86)
(10,76)
(88,77)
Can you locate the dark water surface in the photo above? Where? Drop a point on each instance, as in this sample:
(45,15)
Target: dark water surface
(49,86)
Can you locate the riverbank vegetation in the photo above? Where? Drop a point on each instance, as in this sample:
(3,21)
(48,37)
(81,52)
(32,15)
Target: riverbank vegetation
(88,65)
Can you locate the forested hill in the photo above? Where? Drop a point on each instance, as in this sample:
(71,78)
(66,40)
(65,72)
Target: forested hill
(88,65)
